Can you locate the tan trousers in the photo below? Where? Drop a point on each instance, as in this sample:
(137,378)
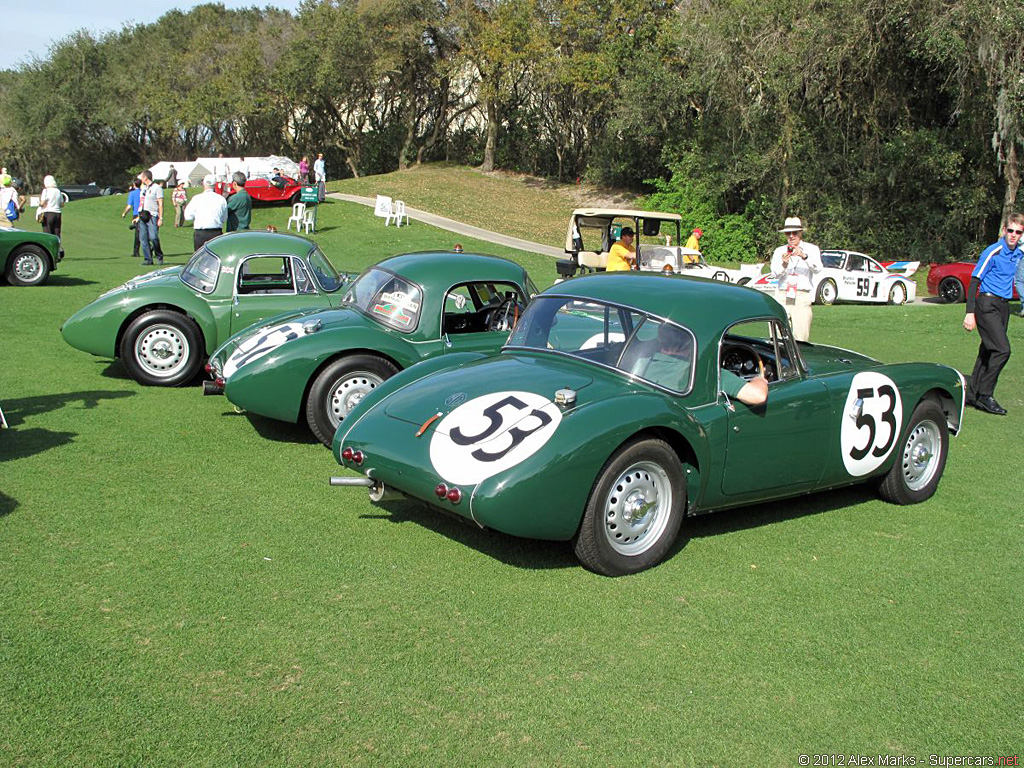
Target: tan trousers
(799,313)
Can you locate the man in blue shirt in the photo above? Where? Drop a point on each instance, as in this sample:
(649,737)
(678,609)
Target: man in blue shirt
(988,310)
(134,201)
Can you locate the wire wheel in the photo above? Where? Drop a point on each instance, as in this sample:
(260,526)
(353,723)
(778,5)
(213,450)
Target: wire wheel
(898,294)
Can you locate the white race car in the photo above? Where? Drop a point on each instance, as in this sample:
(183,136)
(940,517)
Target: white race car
(852,276)
(593,231)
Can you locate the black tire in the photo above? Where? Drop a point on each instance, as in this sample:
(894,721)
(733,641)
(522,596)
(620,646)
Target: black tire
(613,539)
(922,457)
(162,348)
(743,281)
(28,265)
(898,290)
(952,290)
(827,292)
(337,389)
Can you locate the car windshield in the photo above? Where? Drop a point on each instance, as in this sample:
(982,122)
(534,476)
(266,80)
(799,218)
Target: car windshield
(832,260)
(629,341)
(328,277)
(201,271)
(387,298)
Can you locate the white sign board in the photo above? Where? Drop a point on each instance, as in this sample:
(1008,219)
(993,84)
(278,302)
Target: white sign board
(383,206)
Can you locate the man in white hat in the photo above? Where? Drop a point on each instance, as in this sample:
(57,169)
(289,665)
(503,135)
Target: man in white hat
(794,265)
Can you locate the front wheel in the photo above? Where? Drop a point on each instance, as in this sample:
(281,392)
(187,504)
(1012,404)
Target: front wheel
(827,292)
(919,465)
(635,510)
(162,348)
(339,388)
(29,265)
(898,294)
(951,290)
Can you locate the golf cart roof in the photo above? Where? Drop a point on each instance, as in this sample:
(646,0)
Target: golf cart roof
(611,213)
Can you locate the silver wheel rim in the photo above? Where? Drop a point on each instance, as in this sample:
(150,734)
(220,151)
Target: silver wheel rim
(899,294)
(636,509)
(828,293)
(347,393)
(921,455)
(162,350)
(28,267)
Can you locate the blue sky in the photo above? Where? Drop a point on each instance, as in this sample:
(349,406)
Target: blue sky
(30,28)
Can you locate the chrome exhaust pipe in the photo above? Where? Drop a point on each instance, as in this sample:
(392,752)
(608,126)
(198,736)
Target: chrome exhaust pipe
(378,491)
(353,482)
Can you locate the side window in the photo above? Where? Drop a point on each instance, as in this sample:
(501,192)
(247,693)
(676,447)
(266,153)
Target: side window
(872,266)
(460,312)
(266,275)
(470,308)
(303,283)
(786,354)
(855,263)
(397,304)
(753,344)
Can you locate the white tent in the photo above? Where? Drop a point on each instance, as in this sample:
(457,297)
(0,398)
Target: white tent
(192,172)
(255,167)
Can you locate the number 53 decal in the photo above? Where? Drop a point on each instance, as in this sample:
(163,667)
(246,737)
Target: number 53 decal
(490,434)
(872,420)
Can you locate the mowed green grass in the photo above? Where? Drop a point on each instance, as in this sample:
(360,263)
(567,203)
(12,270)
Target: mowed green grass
(180,586)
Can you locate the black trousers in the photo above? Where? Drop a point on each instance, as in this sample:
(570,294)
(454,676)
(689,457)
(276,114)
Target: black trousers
(992,315)
(201,236)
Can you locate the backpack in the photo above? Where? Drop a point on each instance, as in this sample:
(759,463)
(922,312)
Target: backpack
(12,211)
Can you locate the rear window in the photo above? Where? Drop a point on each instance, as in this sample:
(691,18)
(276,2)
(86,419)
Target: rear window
(387,298)
(201,271)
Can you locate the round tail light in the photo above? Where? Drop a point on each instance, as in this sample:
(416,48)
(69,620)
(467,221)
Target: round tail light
(454,495)
(219,381)
(346,454)
(441,490)
(208,367)
(357,457)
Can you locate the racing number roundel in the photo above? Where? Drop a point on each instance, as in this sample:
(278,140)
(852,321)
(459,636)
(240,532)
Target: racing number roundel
(260,344)
(872,422)
(491,433)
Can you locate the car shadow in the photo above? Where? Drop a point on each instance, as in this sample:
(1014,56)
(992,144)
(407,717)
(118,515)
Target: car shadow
(7,504)
(278,431)
(114,370)
(529,554)
(65,280)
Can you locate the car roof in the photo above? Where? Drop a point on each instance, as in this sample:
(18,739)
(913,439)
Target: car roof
(625,212)
(450,267)
(237,244)
(702,305)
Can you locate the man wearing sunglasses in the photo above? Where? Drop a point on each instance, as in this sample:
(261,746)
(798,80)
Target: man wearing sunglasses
(988,310)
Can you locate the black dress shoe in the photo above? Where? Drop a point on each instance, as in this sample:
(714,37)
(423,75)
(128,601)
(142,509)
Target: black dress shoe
(989,405)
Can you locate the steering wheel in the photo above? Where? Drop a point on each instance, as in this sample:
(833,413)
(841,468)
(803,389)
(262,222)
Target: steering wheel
(504,316)
(742,359)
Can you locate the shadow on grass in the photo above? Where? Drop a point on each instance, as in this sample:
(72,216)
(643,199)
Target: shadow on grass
(114,370)
(535,553)
(20,443)
(278,431)
(65,280)
(511,550)
(7,504)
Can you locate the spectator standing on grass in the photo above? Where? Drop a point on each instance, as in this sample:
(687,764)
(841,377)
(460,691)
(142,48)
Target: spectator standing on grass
(172,178)
(48,212)
(133,204)
(151,217)
(208,211)
(1018,281)
(8,197)
(794,266)
(304,170)
(178,198)
(988,310)
(320,171)
(239,204)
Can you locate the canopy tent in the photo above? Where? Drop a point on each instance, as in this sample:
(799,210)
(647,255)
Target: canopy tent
(256,167)
(191,171)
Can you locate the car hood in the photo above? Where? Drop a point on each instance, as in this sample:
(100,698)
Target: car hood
(165,276)
(531,379)
(821,359)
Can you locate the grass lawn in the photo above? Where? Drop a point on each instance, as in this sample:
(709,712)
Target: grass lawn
(180,585)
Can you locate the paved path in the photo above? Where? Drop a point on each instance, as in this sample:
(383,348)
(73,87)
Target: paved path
(523,245)
(463,229)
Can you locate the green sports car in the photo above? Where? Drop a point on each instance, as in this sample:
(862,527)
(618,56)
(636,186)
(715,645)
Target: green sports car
(317,365)
(28,258)
(616,409)
(164,324)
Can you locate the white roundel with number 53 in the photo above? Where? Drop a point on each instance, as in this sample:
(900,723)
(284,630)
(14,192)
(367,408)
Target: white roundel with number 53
(872,422)
(491,433)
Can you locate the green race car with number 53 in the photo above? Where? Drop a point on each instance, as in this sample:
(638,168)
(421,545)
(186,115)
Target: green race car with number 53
(317,365)
(613,412)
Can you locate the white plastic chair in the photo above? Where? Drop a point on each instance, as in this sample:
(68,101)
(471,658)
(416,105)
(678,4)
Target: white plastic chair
(309,220)
(397,213)
(298,212)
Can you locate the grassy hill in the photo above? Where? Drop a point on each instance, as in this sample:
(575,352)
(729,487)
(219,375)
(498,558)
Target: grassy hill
(180,586)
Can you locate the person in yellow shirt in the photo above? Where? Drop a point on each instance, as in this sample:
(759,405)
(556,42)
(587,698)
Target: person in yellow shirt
(622,256)
(694,244)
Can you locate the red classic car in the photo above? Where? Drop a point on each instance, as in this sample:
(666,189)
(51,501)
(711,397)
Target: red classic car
(266,191)
(950,281)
